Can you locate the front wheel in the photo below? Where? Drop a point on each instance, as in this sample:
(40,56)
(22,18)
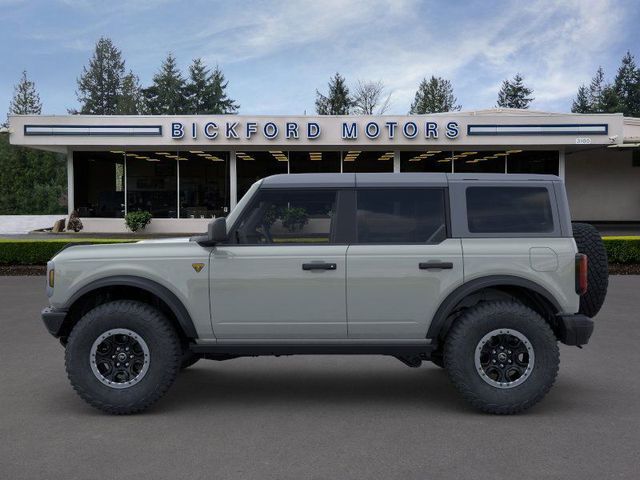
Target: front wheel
(502,356)
(122,356)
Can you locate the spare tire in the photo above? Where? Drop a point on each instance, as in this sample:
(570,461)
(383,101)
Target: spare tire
(590,243)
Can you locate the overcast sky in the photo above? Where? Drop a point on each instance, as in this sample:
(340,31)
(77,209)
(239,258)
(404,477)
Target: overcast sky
(276,53)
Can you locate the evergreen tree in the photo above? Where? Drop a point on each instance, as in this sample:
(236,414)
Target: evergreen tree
(337,101)
(100,84)
(167,96)
(596,88)
(434,95)
(130,100)
(581,103)
(514,93)
(627,86)
(26,100)
(206,92)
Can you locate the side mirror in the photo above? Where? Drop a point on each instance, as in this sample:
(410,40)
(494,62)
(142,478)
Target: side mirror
(217,232)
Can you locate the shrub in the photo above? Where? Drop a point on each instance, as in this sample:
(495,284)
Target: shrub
(137,220)
(622,249)
(39,252)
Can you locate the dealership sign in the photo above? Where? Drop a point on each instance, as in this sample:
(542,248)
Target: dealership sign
(347,130)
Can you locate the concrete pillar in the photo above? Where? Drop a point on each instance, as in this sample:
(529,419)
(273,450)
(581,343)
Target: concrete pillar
(396,161)
(233,180)
(70,194)
(561,164)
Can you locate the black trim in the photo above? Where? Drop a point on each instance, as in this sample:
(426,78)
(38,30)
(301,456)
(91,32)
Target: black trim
(158,133)
(251,349)
(54,320)
(439,321)
(163,293)
(568,132)
(574,329)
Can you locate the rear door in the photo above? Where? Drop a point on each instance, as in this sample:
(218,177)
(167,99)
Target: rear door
(283,275)
(402,262)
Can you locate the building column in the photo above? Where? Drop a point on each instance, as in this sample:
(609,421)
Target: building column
(396,161)
(70,180)
(233,180)
(561,164)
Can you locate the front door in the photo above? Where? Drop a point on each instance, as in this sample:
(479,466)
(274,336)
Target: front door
(402,264)
(282,276)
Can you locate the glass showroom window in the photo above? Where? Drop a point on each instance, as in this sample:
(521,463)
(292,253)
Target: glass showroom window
(99,184)
(204,184)
(366,161)
(479,162)
(426,161)
(533,161)
(314,162)
(252,166)
(152,183)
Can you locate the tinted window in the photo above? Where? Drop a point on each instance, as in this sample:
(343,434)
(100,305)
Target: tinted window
(509,210)
(401,216)
(276,217)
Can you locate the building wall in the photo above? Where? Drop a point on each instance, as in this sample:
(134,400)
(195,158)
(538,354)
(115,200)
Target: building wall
(602,185)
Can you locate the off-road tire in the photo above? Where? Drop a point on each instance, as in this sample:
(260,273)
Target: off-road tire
(152,326)
(463,340)
(590,243)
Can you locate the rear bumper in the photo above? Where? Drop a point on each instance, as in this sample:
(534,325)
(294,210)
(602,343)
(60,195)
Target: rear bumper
(53,319)
(574,329)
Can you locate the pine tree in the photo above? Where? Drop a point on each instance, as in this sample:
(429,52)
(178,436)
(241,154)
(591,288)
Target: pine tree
(130,101)
(166,96)
(581,103)
(596,87)
(99,85)
(514,93)
(337,101)
(434,95)
(206,92)
(627,86)
(26,100)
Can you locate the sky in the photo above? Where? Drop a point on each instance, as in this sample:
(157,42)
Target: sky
(275,54)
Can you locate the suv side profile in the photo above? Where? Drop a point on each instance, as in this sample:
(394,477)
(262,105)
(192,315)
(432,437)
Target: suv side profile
(482,275)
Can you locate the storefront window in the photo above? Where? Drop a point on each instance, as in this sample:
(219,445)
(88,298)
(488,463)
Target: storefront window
(314,162)
(472,161)
(252,166)
(204,184)
(152,183)
(533,161)
(367,161)
(426,161)
(99,184)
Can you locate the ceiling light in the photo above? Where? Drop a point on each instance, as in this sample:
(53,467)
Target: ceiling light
(161,153)
(444,160)
(501,154)
(117,151)
(514,151)
(434,151)
(152,160)
(196,151)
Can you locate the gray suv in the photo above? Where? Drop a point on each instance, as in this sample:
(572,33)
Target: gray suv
(481,275)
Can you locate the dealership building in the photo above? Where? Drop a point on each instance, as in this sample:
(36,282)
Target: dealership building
(186,170)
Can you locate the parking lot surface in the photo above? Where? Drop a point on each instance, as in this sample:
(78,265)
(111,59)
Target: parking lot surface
(319,417)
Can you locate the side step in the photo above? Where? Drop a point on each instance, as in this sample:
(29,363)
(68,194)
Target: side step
(399,349)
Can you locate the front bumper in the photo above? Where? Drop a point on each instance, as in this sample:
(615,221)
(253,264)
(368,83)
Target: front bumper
(54,320)
(574,329)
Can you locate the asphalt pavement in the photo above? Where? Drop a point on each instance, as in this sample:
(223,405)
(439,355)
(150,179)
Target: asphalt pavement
(319,417)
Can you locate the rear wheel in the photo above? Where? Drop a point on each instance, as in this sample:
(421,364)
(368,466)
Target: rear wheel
(502,356)
(122,356)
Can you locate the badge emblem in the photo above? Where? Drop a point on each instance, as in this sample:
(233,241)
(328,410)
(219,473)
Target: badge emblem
(197,267)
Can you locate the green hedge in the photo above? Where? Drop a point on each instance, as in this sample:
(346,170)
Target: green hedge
(623,249)
(39,252)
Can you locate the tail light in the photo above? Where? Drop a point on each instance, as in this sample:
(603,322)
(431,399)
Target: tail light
(581,273)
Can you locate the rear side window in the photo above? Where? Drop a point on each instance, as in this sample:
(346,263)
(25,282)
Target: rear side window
(509,210)
(401,215)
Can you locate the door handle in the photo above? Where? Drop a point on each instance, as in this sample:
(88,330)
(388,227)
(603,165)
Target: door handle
(435,265)
(319,266)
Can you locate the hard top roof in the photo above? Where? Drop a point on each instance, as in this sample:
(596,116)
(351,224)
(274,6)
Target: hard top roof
(346,180)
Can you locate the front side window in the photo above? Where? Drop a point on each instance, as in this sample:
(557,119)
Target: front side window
(401,215)
(285,217)
(509,210)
